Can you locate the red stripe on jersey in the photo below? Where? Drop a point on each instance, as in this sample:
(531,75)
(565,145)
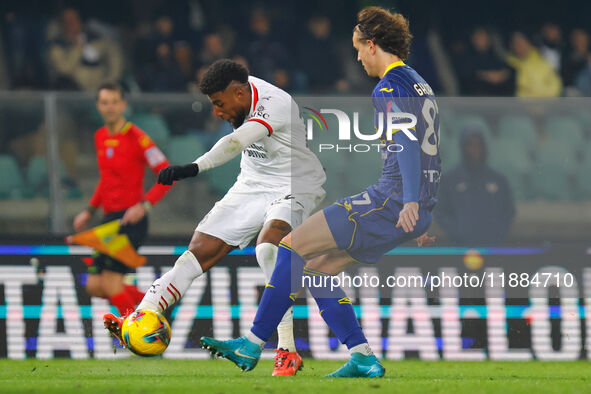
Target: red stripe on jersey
(174,295)
(162,298)
(269,128)
(161,307)
(175,289)
(255,96)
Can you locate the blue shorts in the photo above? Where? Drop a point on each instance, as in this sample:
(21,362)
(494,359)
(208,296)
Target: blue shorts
(365,225)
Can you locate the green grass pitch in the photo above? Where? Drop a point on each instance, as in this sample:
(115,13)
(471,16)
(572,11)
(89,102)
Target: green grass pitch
(138,375)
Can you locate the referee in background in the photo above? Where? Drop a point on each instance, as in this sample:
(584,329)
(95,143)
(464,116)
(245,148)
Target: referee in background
(123,152)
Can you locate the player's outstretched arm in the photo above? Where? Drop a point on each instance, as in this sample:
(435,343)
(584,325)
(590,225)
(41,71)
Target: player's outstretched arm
(223,151)
(409,161)
(168,175)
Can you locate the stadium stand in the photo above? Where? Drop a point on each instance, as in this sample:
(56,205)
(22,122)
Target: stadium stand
(183,149)
(154,125)
(518,129)
(12,185)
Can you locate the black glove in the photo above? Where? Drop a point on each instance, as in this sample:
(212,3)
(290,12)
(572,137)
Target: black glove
(170,174)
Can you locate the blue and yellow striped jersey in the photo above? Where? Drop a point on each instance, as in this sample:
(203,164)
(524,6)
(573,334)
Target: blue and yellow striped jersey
(411,169)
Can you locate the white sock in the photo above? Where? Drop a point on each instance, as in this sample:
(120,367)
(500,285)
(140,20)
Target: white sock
(171,286)
(285,332)
(254,339)
(362,348)
(266,257)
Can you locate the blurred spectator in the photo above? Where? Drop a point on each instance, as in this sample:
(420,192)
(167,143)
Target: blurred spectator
(23,31)
(578,59)
(4,77)
(319,57)
(193,85)
(267,57)
(82,58)
(183,54)
(240,60)
(164,73)
(551,45)
(476,205)
(426,60)
(163,31)
(69,54)
(213,49)
(583,80)
(156,59)
(535,76)
(482,72)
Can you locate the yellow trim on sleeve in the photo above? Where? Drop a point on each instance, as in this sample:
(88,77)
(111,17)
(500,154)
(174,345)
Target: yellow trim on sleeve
(125,128)
(393,65)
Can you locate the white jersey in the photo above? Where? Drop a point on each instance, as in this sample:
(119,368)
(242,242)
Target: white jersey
(282,159)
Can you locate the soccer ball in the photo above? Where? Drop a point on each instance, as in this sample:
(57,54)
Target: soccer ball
(146,333)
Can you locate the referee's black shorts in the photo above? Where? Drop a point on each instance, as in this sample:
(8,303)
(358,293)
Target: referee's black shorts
(137,235)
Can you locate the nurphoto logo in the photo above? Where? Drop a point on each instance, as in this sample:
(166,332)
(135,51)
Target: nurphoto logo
(395,122)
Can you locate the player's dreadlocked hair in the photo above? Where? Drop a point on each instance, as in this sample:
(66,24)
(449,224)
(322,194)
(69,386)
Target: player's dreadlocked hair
(220,74)
(389,31)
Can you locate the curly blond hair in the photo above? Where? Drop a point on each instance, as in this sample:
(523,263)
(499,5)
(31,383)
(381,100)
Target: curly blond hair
(387,30)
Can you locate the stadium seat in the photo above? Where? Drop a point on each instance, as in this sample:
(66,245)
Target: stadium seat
(12,185)
(362,170)
(154,125)
(585,121)
(184,149)
(209,138)
(519,128)
(472,121)
(510,159)
(223,177)
(335,165)
(38,179)
(37,176)
(447,119)
(555,164)
(566,129)
(583,186)
(449,150)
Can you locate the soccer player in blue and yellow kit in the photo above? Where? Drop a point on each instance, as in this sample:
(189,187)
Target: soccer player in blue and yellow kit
(363,227)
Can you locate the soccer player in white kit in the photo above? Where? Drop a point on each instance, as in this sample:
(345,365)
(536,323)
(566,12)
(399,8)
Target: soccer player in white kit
(279,185)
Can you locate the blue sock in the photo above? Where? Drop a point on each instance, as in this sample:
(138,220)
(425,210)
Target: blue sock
(280,293)
(337,311)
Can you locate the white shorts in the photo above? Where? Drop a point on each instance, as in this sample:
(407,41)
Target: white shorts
(238,217)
